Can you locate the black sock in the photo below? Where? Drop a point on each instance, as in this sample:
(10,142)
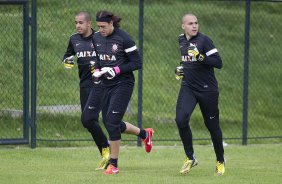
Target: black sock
(114,162)
(142,134)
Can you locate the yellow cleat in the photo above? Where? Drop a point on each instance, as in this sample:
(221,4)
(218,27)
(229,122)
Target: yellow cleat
(219,168)
(188,164)
(105,159)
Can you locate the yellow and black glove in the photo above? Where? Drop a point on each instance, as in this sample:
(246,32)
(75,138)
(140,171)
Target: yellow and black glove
(194,54)
(179,73)
(92,67)
(69,62)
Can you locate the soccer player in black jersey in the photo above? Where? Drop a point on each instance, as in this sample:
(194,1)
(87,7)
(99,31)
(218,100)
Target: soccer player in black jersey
(199,57)
(80,44)
(118,57)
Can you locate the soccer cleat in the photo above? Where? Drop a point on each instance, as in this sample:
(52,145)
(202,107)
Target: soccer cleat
(219,168)
(105,159)
(148,140)
(111,170)
(188,164)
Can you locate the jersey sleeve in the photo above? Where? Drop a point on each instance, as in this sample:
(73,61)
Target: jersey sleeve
(180,40)
(70,50)
(212,57)
(132,53)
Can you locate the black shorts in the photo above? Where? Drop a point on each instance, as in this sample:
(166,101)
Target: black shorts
(115,102)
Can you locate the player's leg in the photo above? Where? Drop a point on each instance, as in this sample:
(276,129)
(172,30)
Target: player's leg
(208,102)
(145,134)
(90,116)
(84,94)
(186,103)
(116,101)
(89,119)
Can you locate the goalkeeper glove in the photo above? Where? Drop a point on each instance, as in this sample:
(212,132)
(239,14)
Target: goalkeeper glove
(110,73)
(194,54)
(92,67)
(179,74)
(96,76)
(69,62)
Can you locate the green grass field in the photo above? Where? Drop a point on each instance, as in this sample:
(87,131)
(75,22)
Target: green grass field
(223,21)
(251,164)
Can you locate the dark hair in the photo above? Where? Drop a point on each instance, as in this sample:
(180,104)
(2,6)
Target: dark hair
(106,16)
(86,14)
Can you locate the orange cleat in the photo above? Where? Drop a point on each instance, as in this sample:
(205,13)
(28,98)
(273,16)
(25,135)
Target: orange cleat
(111,170)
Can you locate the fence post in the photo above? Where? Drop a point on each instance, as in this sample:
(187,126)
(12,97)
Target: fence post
(140,72)
(26,70)
(33,74)
(246,74)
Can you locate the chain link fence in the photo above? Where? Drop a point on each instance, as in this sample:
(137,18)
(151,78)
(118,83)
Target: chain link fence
(11,105)
(14,73)
(58,110)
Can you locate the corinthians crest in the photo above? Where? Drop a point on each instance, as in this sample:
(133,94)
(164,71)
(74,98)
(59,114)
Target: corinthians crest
(115,48)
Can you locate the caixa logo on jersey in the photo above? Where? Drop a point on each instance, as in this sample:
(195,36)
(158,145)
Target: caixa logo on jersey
(82,54)
(106,57)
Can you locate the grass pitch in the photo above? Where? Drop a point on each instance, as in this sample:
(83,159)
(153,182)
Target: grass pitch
(245,164)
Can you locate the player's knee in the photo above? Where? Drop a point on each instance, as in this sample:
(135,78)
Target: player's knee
(115,135)
(114,131)
(183,129)
(122,127)
(84,119)
(86,122)
(88,119)
(181,122)
(212,127)
(212,122)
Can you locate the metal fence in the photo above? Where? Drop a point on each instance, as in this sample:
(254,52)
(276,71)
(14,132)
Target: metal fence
(250,96)
(14,66)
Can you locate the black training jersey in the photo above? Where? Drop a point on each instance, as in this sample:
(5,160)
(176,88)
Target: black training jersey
(84,50)
(117,49)
(200,75)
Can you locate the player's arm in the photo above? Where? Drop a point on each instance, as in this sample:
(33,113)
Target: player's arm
(135,62)
(213,60)
(211,55)
(133,56)
(179,70)
(68,59)
(97,74)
